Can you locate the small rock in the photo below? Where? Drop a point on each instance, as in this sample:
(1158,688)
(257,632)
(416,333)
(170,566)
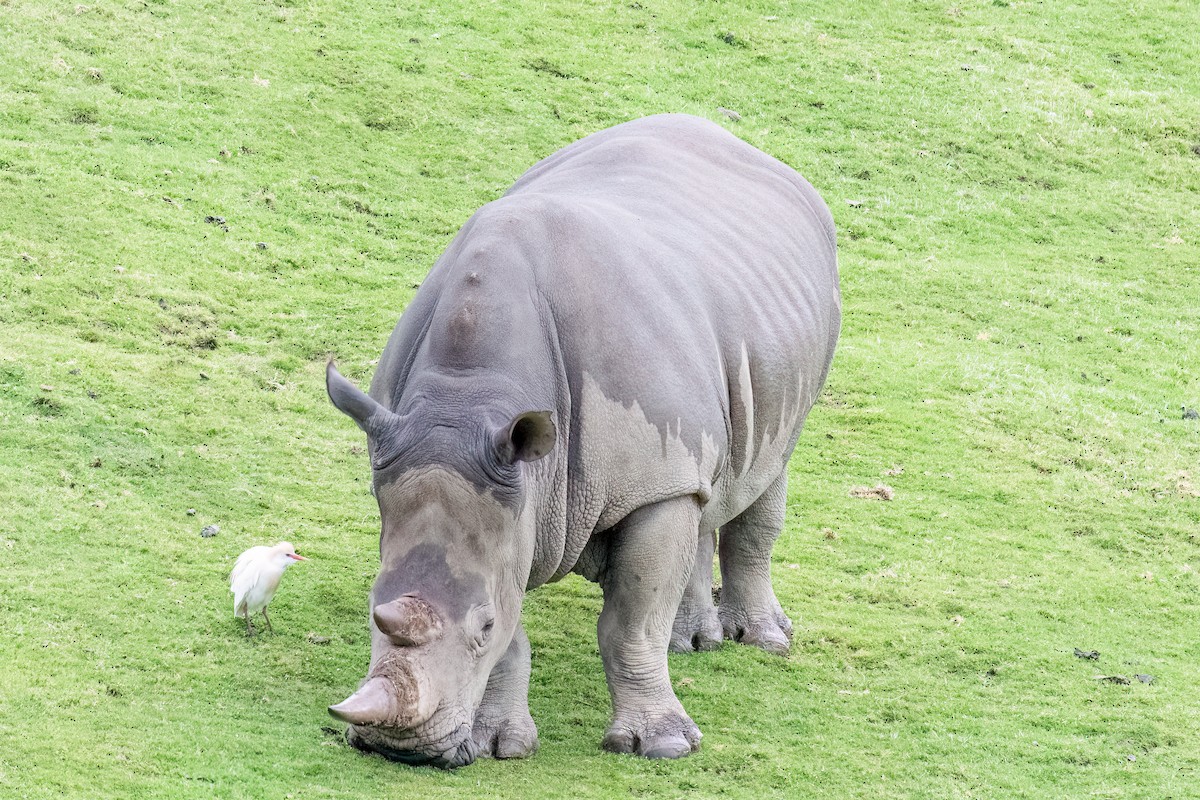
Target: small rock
(203,376)
(214,220)
(74,371)
(733,115)
(261,245)
(1145,678)
(45,387)
(209,531)
(894,471)
(1190,413)
(1090,655)
(316,638)
(191,512)
(854,203)
(96,463)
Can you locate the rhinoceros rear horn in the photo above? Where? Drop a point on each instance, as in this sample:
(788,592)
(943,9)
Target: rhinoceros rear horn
(528,437)
(369,414)
(408,621)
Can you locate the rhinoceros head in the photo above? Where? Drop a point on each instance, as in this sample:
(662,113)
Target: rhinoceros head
(455,558)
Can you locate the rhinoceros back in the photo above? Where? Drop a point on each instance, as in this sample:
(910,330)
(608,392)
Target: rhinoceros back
(685,284)
(695,293)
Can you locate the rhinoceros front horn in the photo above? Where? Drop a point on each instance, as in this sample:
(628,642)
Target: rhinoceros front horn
(375,703)
(396,699)
(408,621)
(383,702)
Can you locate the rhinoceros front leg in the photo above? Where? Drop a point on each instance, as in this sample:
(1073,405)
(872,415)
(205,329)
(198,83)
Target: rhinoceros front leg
(749,612)
(697,626)
(649,558)
(503,727)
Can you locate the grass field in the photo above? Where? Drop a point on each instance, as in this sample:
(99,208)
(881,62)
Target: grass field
(201,201)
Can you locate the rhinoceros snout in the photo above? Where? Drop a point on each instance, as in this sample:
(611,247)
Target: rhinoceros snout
(458,755)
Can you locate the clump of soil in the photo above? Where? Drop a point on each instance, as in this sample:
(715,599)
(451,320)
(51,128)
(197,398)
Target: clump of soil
(878,492)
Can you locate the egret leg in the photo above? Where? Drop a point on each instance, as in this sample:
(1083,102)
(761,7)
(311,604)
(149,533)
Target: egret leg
(249,626)
(268,619)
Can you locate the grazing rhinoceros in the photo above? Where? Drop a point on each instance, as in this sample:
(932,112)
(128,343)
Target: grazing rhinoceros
(607,364)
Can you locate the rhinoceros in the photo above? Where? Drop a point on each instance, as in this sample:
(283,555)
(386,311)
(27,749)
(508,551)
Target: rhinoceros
(605,373)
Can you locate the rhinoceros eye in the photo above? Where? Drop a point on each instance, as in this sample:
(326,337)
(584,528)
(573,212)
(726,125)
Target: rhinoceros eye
(485,617)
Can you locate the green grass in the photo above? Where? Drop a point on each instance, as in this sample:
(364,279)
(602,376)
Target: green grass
(1020,268)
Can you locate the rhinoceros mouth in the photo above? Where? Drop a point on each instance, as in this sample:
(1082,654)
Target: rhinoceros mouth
(457,750)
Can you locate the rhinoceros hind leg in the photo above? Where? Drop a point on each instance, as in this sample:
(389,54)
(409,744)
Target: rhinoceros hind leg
(749,611)
(503,727)
(648,560)
(697,626)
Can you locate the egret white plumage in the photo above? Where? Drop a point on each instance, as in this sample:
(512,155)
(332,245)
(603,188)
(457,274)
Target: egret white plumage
(255,578)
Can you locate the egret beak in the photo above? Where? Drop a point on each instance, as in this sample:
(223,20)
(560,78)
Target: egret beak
(297,557)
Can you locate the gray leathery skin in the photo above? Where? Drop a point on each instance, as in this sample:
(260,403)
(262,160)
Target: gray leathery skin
(658,304)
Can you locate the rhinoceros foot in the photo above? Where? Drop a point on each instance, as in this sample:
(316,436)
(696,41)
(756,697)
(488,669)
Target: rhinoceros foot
(505,738)
(665,736)
(768,628)
(696,628)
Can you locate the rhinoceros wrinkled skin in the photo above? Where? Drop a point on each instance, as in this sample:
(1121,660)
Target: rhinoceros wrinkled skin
(607,365)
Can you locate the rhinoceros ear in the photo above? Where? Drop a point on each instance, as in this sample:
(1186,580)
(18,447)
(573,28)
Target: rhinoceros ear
(528,437)
(355,403)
